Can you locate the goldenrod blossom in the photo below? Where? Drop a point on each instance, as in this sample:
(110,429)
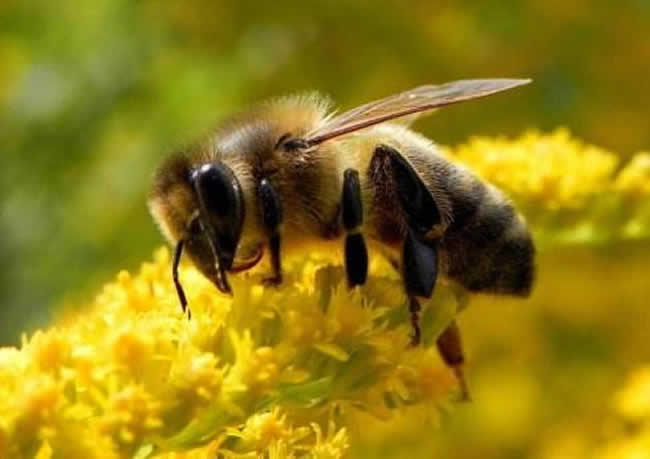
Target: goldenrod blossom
(257,374)
(271,372)
(569,191)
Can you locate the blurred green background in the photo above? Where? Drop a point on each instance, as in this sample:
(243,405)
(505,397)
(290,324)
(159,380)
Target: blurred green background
(93,94)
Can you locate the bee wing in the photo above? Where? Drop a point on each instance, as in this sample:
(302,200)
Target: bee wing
(414,101)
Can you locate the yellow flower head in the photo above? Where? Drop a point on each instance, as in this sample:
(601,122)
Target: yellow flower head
(138,377)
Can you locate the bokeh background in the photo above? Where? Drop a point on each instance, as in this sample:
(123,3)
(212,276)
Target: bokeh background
(93,94)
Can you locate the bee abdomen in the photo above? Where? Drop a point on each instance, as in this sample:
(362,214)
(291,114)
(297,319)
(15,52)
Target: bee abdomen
(488,246)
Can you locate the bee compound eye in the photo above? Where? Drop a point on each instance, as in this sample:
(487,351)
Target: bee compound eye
(222,207)
(218,190)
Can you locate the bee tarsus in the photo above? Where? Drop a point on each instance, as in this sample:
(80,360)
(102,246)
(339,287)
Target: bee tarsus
(414,312)
(356,259)
(275,278)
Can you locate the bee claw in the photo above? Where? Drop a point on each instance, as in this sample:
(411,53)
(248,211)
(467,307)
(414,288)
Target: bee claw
(465,395)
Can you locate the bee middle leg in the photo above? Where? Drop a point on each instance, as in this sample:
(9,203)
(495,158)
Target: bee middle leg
(272,219)
(356,253)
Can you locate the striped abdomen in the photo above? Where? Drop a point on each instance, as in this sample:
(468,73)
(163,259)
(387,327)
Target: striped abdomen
(488,247)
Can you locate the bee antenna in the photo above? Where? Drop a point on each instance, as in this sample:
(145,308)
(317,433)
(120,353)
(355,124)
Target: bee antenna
(178,251)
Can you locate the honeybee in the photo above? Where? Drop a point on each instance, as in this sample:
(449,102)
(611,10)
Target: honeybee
(289,173)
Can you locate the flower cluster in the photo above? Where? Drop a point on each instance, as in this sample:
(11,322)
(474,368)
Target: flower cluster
(569,191)
(267,372)
(275,372)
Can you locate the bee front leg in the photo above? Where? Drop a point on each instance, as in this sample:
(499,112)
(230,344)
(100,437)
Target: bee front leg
(272,220)
(178,251)
(356,253)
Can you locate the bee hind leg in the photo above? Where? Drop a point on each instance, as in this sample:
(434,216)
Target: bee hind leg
(419,262)
(272,219)
(356,252)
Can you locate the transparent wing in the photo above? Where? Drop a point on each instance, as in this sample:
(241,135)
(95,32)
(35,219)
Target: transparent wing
(417,100)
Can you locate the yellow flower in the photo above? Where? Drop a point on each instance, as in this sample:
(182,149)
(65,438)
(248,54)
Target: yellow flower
(279,373)
(137,377)
(331,446)
(569,191)
(551,171)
